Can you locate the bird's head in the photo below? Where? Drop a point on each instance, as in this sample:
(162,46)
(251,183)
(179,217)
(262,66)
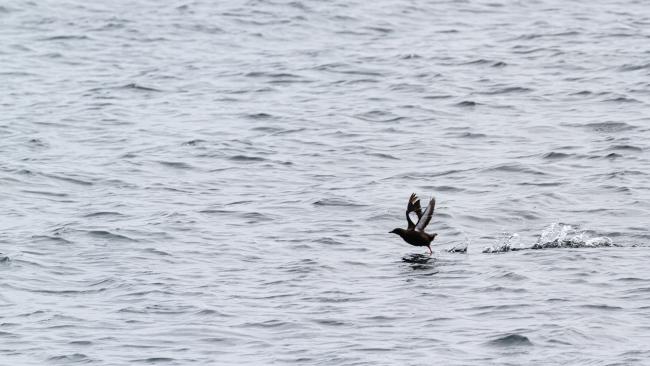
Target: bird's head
(398,231)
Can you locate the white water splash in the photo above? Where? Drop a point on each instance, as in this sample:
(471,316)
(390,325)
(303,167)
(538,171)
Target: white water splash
(458,248)
(505,243)
(556,235)
(566,236)
(461,247)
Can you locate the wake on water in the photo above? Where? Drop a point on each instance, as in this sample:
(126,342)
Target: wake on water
(556,235)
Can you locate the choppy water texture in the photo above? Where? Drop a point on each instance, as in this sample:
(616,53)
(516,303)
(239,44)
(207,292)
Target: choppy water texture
(214,182)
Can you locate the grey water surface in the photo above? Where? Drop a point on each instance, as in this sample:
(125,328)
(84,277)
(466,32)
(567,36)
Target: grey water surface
(213,182)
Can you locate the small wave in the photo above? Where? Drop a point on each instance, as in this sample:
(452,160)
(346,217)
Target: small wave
(609,156)
(239,202)
(582,93)
(69,179)
(81,343)
(8,335)
(330,322)
(626,148)
(154,360)
(257,74)
(511,340)
(341,134)
(16,73)
(438,96)
(217,211)
(176,164)
(380,29)
(514,168)
(343,68)
(306,265)
(245,158)
(379,116)
(413,175)
(288,131)
(337,202)
(108,235)
(69,292)
(634,67)
(51,194)
(541,184)
(327,241)
(254,217)
(268,129)
(103,213)
(156,251)
(56,239)
(467,103)
(279,78)
(622,100)
(208,29)
(272,323)
(480,61)
(259,116)
(512,276)
(470,135)
(383,156)
(65,38)
(134,86)
(194,142)
(508,90)
(75,357)
(156,309)
(602,307)
(556,155)
(546,35)
(209,312)
(608,126)
(38,142)
(525,50)
(443,189)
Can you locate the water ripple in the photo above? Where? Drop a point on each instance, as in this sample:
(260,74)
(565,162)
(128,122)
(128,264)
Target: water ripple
(214,182)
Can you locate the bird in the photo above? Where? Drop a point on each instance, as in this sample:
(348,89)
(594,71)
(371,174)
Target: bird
(415,234)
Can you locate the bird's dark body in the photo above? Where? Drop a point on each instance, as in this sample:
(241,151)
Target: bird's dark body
(416,238)
(414,234)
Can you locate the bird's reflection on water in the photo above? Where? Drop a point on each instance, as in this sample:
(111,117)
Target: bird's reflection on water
(418,258)
(419,261)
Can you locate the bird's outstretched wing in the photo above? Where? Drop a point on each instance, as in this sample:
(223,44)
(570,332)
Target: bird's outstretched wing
(413,206)
(426,216)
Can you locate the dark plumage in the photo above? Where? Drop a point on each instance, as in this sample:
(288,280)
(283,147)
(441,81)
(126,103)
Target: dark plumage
(415,234)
